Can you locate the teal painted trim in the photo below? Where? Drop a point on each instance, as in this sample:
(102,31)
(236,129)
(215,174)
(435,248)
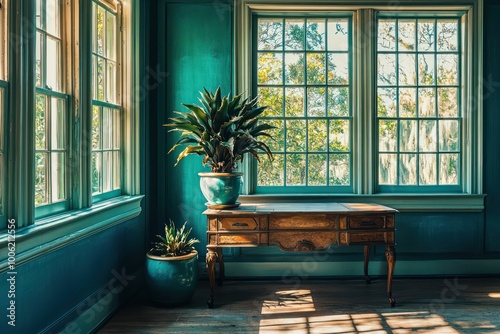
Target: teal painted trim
(49,209)
(401,202)
(317,268)
(56,232)
(107,195)
(92,313)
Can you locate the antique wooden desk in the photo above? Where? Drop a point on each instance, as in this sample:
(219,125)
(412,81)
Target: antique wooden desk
(298,227)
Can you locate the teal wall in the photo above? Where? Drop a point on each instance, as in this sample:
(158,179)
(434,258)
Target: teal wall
(193,44)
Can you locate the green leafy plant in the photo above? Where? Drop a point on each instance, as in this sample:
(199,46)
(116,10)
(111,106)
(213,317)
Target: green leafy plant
(176,242)
(222,129)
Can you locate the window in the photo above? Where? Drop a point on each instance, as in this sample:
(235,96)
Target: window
(3,108)
(106,110)
(366,101)
(303,76)
(51,104)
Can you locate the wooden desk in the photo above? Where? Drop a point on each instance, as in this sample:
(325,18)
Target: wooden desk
(298,227)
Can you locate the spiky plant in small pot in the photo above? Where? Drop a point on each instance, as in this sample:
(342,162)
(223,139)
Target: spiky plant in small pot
(176,242)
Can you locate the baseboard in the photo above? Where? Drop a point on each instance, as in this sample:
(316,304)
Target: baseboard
(89,315)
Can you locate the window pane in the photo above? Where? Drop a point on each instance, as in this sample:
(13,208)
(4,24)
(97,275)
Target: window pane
(315,34)
(294,68)
(294,34)
(386,69)
(111,82)
(316,68)
(338,37)
(426,35)
(110,36)
(338,101)
(272,98)
(53,63)
(40,122)
(107,128)
(387,169)
(270,68)
(339,135)
(407,74)
(317,170)
(41,195)
(428,168)
(58,124)
(386,35)
(96,127)
(52,16)
(271,173)
(316,101)
(100,30)
(296,135)
(100,78)
(276,143)
(426,102)
(40,47)
(447,35)
(339,169)
(296,170)
(107,171)
(116,170)
(58,184)
(117,127)
(388,136)
(270,34)
(406,35)
(96,172)
(408,169)
(386,102)
(448,168)
(317,135)
(294,102)
(338,68)
(447,69)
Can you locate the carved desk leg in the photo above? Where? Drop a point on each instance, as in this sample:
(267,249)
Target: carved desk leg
(367,259)
(211,259)
(220,260)
(390,254)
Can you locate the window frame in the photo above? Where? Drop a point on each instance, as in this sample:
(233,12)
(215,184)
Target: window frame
(365,179)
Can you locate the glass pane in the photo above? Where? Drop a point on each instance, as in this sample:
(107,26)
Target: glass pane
(295,135)
(272,98)
(53,63)
(447,69)
(447,35)
(408,169)
(116,170)
(315,34)
(447,102)
(338,101)
(294,102)
(296,169)
(388,135)
(316,101)
(96,172)
(110,36)
(408,136)
(386,37)
(448,135)
(53,18)
(338,34)
(270,68)
(100,30)
(339,135)
(339,170)
(40,122)
(117,127)
(270,34)
(386,102)
(406,35)
(407,102)
(426,102)
(316,68)
(428,168)
(96,127)
(41,194)
(271,173)
(111,82)
(57,180)
(294,68)
(386,69)
(426,72)
(317,135)
(448,168)
(317,170)
(387,169)
(39,59)
(276,143)
(338,69)
(426,35)
(428,136)
(107,128)
(39,14)
(407,74)
(107,171)
(58,123)
(94,77)
(294,34)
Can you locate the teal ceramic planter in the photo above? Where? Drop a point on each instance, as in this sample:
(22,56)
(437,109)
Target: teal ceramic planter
(172,280)
(221,188)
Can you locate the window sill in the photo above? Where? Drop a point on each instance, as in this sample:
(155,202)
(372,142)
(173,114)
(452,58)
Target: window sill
(55,232)
(401,202)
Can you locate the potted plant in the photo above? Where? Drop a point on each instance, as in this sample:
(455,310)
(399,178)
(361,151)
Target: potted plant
(222,129)
(172,266)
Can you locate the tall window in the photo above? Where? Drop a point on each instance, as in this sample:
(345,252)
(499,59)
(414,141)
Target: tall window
(106,109)
(418,110)
(51,127)
(303,75)
(3,107)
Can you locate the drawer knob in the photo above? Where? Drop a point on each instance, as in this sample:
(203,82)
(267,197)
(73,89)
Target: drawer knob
(304,246)
(239,224)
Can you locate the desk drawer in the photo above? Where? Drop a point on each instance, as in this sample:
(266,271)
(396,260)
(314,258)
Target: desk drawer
(366,222)
(366,238)
(303,222)
(303,241)
(255,223)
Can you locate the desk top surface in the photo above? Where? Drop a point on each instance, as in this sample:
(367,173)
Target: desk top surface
(264,208)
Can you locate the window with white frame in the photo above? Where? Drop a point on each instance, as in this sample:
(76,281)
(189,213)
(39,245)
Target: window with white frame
(106,108)
(51,109)
(365,101)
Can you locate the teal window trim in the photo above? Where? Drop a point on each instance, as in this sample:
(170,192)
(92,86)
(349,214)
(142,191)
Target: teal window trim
(4,95)
(365,180)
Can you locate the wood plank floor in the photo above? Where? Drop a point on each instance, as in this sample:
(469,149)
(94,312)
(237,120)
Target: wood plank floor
(437,305)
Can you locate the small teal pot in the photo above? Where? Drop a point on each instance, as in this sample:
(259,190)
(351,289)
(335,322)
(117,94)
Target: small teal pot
(221,188)
(172,280)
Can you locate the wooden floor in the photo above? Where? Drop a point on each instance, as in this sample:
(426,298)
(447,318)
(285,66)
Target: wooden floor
(437,305)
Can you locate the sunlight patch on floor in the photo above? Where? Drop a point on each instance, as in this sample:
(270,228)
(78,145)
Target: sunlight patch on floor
(289,301)
(494,294)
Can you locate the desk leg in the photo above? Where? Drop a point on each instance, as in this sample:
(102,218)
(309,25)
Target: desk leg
(367,259)
(211,259)
(220,261)
(390,255)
